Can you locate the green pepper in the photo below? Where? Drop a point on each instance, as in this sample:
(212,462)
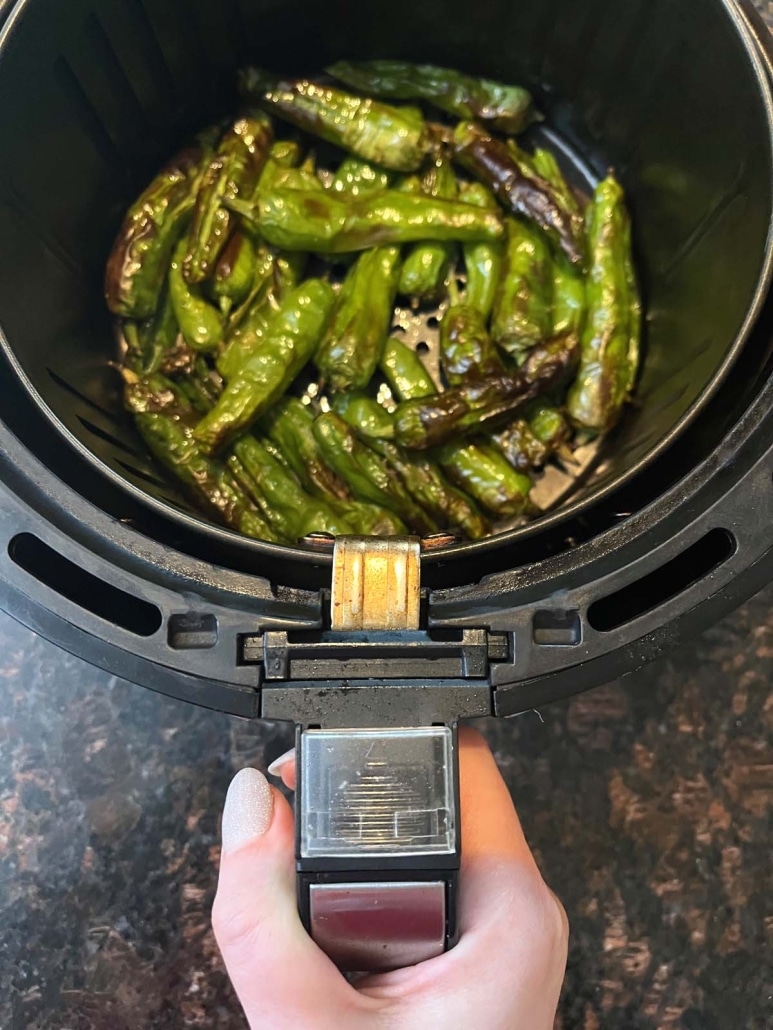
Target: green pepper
(291,512)
(568,300)
(611,338)
(367,416)
(352,346)
(423,479)
(289,425)
(336,224)
(277,279)
(396,138)
(366,474)
(172,444)
(200,322)
(482,261)
(507,108)
(139,261)
(283,154)
(155,393)
(433,421)
(150,342)
(484,474)
(531,441)
(523,310)
(261,382)
(426,265)
(355,177)
(518,188)
(405,372)
(233,172)
(234,272)
(481,472)
(373,520)
(466,348)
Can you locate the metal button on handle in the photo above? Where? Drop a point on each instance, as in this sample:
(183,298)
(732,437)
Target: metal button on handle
(377,927)
(376,584)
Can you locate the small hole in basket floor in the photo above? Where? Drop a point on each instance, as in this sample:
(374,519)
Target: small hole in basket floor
(422,348)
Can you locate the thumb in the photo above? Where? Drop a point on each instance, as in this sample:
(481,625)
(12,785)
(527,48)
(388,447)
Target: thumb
(277,970)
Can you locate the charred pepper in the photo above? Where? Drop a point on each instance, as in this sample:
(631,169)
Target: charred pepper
(426,265)
(517,188)
(523,310)
(336,224)
(282,500)
(480,471)
(482,261)
(422,478)
(290,426)
(611,338)
(434,421)
(234,272)
(352,346)
(234,172)
(263,380)
(396,138)
(200,322)
(366,474)
(466,349)
(139,261)
(507,108)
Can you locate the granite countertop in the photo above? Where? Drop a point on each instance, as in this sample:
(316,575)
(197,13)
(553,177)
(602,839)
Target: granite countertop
(648,803)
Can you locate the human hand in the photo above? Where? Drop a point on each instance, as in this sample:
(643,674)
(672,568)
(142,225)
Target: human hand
(505,973)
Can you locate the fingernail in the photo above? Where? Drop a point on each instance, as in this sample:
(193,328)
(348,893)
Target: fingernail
(249,806)
(275,769)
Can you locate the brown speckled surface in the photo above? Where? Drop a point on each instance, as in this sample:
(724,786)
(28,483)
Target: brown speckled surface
(649,804)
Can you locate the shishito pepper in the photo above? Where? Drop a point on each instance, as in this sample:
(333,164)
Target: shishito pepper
(396,138)
(366,474)
(149,342)
(234,271)
(523,309)
(405,372)
(234,172)
(171,443)
(337,224)
(482,261)
(531,441)
(611,338)
(466,349)
(426,265)
(274,280)
(284,503)
(422,478)
(434,421)
(139,261)
(518,188)
(290,427)
(507,108)
(482,472)
(200,322)
(265,377)
(353,343)
(163,415)
(355,176)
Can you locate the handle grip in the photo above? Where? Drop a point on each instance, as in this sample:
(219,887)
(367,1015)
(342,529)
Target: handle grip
(378,843)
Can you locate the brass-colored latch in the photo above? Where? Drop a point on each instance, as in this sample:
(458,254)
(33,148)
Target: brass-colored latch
(376,583)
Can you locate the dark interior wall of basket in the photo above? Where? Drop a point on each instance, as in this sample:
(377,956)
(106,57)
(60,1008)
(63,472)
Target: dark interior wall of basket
(108,90)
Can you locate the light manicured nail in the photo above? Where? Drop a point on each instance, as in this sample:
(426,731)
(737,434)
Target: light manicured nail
(249,806)
(275,769)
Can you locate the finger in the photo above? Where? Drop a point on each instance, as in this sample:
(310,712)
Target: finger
(284,768)
(277,970)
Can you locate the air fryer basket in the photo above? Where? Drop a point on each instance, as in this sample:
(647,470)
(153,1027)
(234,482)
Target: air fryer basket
(93,97)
